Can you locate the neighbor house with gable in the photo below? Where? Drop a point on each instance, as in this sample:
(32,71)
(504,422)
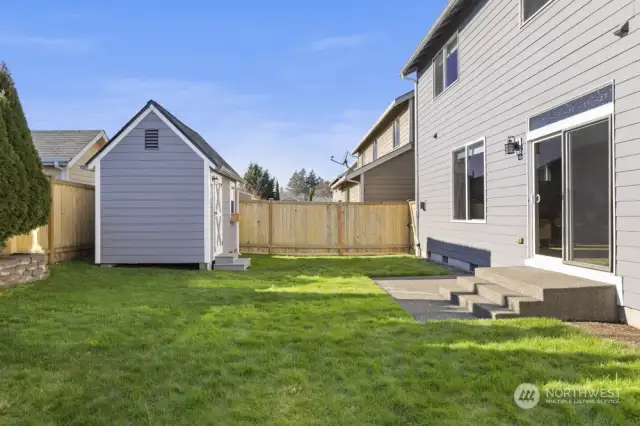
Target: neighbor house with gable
(384,170)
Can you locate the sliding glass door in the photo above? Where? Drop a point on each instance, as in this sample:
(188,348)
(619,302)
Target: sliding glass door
(573,196)
(588,172)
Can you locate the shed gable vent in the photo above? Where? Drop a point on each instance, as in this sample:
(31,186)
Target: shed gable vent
(151,140)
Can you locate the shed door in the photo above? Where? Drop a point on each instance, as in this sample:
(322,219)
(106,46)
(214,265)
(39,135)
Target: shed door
(216,216)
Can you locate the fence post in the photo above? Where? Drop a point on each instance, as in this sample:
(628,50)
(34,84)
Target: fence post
(340,236)
(270,224)
(52,225)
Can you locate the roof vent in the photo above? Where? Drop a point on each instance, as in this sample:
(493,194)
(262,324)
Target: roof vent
(151,139)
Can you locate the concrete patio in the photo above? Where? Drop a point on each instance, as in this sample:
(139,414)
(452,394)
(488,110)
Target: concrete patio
(420,296)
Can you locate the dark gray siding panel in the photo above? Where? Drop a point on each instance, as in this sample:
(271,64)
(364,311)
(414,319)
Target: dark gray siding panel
(152,202)
(508,73)
(393,180)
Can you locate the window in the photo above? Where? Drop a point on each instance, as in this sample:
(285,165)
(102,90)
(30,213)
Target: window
(374,149)
(151,139)
(469,182)
(396,133)
(531,7)
(445,67)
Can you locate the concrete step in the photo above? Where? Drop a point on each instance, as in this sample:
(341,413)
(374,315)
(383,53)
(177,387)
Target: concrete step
(510,281)
(483,308)
(226,259)
(468,283)
(527,306)
(552,294)
(240,264)
(452,291)
(495,293)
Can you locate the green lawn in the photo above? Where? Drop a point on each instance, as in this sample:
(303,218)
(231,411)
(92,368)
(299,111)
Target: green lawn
(292,341)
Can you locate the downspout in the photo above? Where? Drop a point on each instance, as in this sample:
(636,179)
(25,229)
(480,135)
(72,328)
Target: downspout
(63,174)
(414,117)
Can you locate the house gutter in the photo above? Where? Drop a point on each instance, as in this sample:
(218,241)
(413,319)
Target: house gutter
(414,116)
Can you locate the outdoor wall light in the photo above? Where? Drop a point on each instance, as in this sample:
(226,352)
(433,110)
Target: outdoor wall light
(513,146)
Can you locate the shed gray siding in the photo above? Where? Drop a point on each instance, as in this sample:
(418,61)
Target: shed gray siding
(152,202)
(393,180)
(507,72)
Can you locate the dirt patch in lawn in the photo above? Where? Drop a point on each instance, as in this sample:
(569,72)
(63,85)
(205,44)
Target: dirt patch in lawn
(620,332)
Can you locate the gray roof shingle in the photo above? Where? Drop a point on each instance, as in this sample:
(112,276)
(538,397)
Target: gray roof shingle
(62,144)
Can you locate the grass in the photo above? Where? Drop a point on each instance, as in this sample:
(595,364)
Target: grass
(292,341)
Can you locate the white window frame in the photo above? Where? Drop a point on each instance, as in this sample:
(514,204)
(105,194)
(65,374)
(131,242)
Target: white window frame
(396,132)
(442,53)
(525,21)
(374,150)
(466,186)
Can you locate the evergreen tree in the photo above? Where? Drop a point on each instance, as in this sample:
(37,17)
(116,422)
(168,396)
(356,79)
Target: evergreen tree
(277,191)
(253,177)
(297,183)
(12,177)
(311,182)
(36,195)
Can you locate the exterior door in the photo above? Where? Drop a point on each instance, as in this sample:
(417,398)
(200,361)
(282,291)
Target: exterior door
(216,216)
(548,197)
(572,196)
(589,196)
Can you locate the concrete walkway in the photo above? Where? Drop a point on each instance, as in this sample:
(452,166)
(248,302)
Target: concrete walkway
(420,297)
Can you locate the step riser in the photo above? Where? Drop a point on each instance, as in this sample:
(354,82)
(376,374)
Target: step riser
(238,268)
(479,310)
(467,283)
(226,260)
(485,274)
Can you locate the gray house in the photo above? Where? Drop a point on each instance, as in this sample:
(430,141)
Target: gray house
(384,170)
(165,196)
(528,144)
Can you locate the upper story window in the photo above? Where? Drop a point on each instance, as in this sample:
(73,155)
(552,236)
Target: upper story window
(396,133)
(531,7)
(445,66)
(151,139)
(374,150)
(360,159)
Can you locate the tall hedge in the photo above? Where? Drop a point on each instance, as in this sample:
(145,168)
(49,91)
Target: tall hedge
(32,208)
(12,184)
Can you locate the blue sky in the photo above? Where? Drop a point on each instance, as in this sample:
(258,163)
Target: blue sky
(284,83)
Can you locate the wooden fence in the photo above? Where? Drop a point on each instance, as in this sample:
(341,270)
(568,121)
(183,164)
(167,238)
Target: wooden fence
(324,228)
(71,225)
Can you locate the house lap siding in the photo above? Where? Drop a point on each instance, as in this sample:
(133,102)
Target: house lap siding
(508,72)
(385,136)
(152,202)
(393,180)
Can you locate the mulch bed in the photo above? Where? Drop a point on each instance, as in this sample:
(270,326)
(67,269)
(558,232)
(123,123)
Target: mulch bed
(620,332)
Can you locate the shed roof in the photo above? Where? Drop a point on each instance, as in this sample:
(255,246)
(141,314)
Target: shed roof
(194,137)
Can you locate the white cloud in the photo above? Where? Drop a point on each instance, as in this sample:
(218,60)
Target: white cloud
(49,43)
(337,42)
(242,127)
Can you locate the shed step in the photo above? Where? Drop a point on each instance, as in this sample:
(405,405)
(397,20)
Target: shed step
(241,264)
(226,259)
(483,308)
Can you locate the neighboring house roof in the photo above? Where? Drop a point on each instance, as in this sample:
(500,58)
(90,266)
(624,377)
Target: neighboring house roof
(397,103)
(63,145)
(437,35)
(191,135)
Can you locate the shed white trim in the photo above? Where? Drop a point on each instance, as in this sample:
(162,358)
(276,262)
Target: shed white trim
(98,216)
(149,109)
(207,214)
